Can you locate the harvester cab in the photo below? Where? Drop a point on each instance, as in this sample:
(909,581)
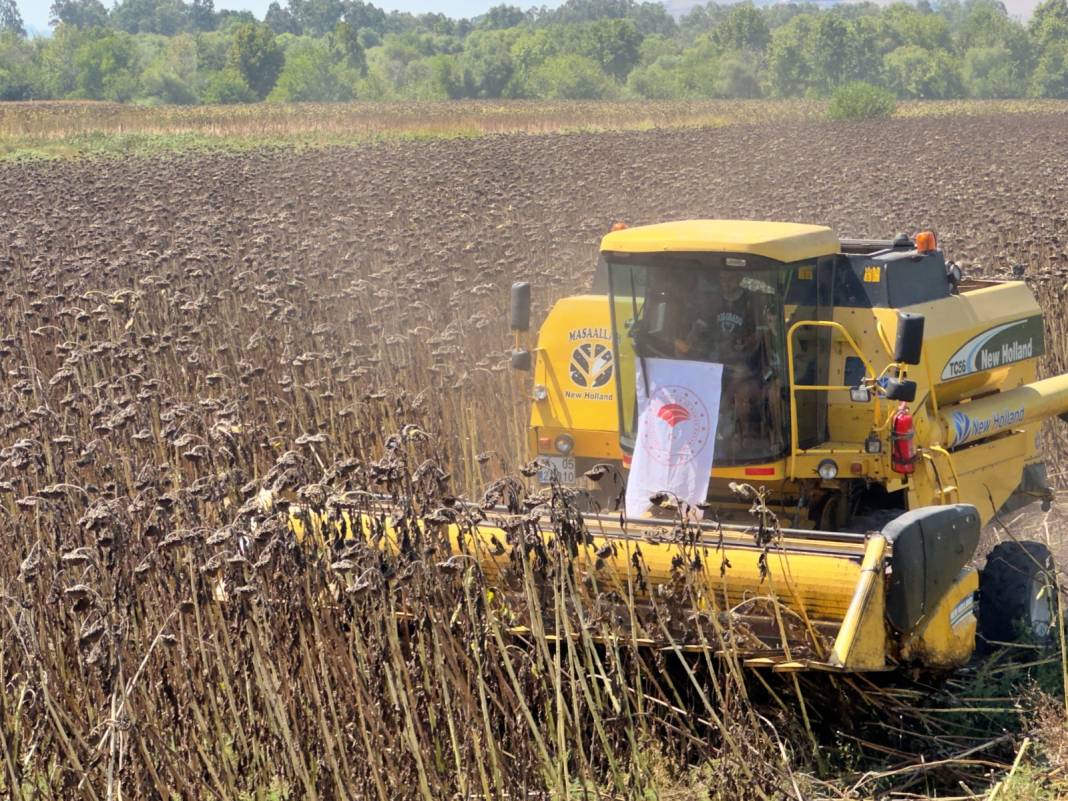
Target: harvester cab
(851,369)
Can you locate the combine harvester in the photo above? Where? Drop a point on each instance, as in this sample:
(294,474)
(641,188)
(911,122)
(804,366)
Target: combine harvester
(857,392)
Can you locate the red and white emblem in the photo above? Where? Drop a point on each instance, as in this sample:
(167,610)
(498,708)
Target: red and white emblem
(681,430)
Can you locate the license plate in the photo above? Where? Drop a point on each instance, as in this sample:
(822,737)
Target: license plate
(560,469)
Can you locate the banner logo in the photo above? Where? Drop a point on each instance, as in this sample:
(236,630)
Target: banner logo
(591,365)
(685,430)
(673,414)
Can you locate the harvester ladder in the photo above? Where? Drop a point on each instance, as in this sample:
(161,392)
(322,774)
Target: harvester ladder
(944,492)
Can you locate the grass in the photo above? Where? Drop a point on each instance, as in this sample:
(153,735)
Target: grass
(49,130)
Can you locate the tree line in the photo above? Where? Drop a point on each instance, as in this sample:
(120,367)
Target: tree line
(172,51)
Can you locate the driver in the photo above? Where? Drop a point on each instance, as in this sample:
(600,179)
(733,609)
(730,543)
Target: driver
(725,329)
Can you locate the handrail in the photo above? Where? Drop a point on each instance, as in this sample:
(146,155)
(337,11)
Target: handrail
(794,387)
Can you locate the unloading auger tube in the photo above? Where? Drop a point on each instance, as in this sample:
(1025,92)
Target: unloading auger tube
(808,600)
(1002,412)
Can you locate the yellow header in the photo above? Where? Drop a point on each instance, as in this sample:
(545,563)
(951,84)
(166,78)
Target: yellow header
(784,242)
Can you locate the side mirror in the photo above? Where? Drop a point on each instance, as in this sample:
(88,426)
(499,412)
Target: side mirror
(901,390)
(520,360)
(519,311)
(909,345)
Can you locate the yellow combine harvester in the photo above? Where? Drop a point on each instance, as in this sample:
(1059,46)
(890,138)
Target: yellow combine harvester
(882,407)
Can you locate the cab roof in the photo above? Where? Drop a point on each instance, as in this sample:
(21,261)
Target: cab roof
(781,241)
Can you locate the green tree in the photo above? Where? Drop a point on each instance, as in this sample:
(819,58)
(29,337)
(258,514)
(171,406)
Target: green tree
(312,72)
(914,72)
(447,72)
(991,72)
(1049,23)
(571,77)
(172,75)
(487,62)
(317,17)
(202,15)
(11,19)
(905,24)
(653,19)
(165,17)
(1050,78)
(614,44)
(345,40)
(659,80)
(439,77)
(787,65)
(744,29)
(702,19)
(532,48)
(281,20)
(364,16)
(59,75)
(213,51)
(256,55)
(227,19)
(699,68)
(107,66)
(830,53)
(986,23)
(79,13)
(739,75)
(228,86)
(812,54)
(20,77)
(648,16)
(501,17)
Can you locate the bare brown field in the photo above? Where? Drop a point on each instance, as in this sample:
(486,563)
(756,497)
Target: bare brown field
(182,333)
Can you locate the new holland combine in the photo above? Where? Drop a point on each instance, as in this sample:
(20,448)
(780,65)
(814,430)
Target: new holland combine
(874,409)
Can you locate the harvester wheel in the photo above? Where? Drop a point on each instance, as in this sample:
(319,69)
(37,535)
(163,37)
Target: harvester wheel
(1017,593)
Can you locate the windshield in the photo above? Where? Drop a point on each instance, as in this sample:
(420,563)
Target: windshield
(708,308)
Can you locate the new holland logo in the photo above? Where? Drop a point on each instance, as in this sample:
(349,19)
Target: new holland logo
(591,365)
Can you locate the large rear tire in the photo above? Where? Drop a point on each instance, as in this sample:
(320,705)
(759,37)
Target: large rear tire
(1017,594)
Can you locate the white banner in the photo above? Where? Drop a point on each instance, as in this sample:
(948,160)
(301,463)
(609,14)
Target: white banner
(678,410)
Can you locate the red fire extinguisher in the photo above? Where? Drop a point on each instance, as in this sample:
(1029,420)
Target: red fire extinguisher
(902,448)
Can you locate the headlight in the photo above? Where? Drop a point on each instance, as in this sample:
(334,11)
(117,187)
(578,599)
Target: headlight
(540,393)
(564,444)
(859,395)
(827,469)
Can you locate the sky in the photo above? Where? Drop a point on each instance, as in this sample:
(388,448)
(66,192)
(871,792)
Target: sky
(35,12)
